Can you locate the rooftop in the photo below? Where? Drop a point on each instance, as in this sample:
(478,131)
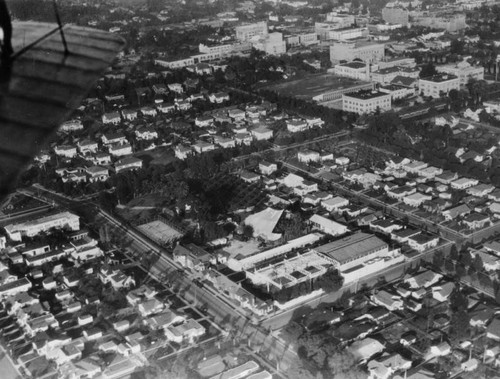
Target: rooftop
(439,78)
(366,95)
(351,247)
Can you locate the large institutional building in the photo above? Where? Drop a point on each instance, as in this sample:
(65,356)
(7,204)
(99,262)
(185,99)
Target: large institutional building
(247,32)
(395,16)
(363,102)
(349,50)
(439,84)
(463,70)
(33,227)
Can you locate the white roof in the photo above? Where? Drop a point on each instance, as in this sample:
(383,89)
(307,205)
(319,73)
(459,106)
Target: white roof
(264,222)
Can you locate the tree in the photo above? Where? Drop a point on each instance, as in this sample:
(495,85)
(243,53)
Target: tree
(342,364)
(331,281)
(458,301)
(438,258)
(428,70)
(248,231)
(459,325)
(478,263)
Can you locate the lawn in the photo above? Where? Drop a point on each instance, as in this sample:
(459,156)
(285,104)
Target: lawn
(244,248)
(160,156)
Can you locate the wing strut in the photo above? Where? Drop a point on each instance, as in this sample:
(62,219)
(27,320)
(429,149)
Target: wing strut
(56,10)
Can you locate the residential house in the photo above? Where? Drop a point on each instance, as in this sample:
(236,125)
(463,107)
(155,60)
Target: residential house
(116,277)
(111,118)
(189,330)
(267,168)
(97,174)
(262,133)
(112,138)
(335,204)
(66,151)
(218,97)
(327,226)
(129,114)
(476,220)
(146,133)
(87,146)
(128,163)
(422,242)
(119,150)
(387,300)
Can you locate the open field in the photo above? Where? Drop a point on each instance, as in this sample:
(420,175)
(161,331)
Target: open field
(242,248)
(159,156)
(312,86)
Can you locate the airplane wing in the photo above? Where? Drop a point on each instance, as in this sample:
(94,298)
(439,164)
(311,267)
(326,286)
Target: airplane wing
(45,86)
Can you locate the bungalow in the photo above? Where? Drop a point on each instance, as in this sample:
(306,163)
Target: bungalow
(218,97)
(430,172)
(87,146)
(267,168)
(481,190)
(225,143)
(422,242)
(416,199)
(447,177)
(116,277)
(236,114)
(476,221)
(85,319)
(165,108)
(146,133)
(92,334)
(458,211)
(262,133)
(415,167)
(159,89)
(14,287)
(327,226)
(202,147)
(150,306)
(493,330)
(192,257)
(101,159)
(249,177)
(182,152)
(163,320)
(110,138)
(387,365)
(188,330)
(295,125)
(183,105)
(424,279)
(204,121)
(97,174)
(342,161)
(464,183)
(307,156)
(176,87)
(129,114)
(128,163)
(443,291)
(111,118)
(387,300)
(481,316)
(306,187)
(386,226)
(334,204)
(66,151)
(119,150)
(400,192)
(314,121)
(243,138)
(403,235)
